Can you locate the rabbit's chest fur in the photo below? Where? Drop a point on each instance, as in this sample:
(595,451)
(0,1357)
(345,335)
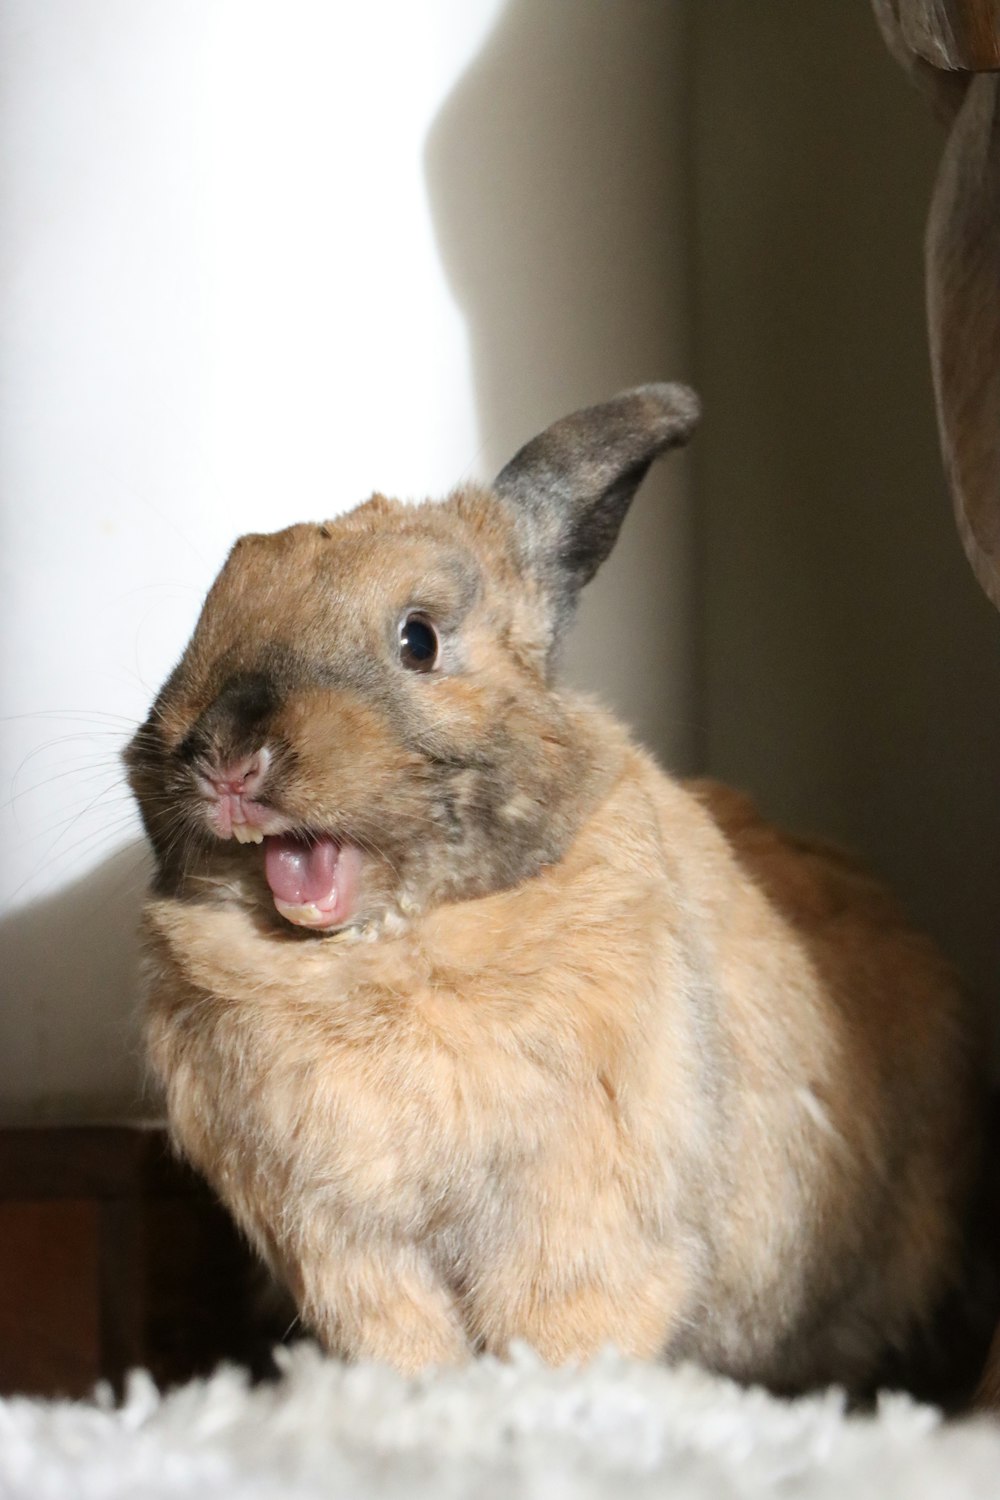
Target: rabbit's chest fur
(437,1082)
(628,1071)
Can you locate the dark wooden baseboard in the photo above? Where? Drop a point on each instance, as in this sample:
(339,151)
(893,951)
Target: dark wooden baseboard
(113,1254)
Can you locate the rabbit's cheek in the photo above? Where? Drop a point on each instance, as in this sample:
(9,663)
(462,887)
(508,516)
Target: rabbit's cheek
(314,882)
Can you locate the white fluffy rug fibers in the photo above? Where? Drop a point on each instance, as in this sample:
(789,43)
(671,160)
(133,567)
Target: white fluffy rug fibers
(492,1432)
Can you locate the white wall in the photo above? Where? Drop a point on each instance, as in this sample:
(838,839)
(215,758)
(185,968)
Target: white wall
(259,258)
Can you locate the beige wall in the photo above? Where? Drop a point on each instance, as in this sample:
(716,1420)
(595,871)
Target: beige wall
(851,666)
(617,197)
(347,289)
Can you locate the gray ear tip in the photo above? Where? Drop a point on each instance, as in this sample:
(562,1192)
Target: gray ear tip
(672,408)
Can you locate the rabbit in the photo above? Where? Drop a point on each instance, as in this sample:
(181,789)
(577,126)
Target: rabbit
(484,1027)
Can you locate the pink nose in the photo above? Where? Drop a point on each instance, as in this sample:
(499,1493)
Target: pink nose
(242,778)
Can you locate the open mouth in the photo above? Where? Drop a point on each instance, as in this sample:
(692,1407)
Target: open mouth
(313,878)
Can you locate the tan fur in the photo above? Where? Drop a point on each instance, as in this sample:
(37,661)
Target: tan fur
(689,1087)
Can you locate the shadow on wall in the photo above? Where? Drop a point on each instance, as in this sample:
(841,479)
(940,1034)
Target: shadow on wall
(557,179)
(852,665)
(63,1063)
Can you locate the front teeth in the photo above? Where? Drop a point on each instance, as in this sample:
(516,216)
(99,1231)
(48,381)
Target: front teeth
(244,834)
(308,915)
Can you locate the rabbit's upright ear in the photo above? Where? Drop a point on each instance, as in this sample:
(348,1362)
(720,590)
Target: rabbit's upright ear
(572,485)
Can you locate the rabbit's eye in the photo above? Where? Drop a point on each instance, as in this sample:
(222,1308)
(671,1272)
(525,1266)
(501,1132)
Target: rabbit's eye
(418,644)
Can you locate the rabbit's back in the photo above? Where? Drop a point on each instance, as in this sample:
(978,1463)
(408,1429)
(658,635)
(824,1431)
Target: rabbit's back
(849,1049)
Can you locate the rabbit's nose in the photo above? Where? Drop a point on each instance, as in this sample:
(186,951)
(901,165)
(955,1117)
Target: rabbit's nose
(235,719)
(231,788)
(243,777)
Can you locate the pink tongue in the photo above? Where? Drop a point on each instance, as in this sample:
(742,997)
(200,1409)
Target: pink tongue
(301,873)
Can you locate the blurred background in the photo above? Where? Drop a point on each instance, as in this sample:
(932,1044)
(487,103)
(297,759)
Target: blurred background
(260,259)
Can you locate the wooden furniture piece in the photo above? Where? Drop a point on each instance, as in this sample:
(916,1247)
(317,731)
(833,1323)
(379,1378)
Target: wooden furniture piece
(114,1255)
(954,34)
(952,50)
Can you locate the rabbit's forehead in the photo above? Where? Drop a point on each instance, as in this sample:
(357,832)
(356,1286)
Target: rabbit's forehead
(399,568)
(302,569)
(325,593)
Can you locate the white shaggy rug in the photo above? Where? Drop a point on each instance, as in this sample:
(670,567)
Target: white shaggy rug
(491,1432)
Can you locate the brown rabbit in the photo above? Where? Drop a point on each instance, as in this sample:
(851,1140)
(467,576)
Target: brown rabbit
(483,1027)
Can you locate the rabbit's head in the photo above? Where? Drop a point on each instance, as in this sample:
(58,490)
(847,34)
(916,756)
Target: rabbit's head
(370,700)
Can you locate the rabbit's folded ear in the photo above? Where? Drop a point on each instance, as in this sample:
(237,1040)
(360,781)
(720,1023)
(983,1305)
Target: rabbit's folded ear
(572,485)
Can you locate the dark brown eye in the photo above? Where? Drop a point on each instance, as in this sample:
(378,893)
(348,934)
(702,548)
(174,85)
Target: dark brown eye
(418,644)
